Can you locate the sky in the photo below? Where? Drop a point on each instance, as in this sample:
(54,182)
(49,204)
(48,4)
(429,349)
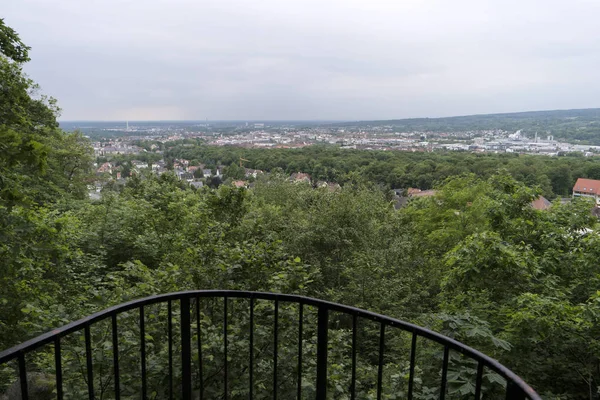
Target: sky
(309,59)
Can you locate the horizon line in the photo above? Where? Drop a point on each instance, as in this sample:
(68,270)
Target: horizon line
(204,120)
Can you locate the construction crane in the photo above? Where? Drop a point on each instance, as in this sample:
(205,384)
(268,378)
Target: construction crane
(242,159)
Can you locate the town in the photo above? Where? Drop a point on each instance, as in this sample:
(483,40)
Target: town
(198,174)
(117,138)
(128,149)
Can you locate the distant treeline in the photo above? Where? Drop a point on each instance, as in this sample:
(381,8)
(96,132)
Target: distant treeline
(554,175)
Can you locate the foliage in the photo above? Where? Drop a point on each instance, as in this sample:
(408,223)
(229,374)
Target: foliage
(555,176)
(36,159)
(11,45)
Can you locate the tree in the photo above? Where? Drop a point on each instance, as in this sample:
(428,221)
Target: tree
(234,171)
(561,179)
(27,122)
(39,166)
(517,272)
(214,182)
(11,45)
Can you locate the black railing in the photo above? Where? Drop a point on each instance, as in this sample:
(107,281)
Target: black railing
(307,376)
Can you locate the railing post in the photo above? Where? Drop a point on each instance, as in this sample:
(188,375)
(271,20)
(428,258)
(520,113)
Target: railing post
(514,392)
(411,373)
(115,343)
(58,368)
(143,353)
(89,362)
(186,350)
(322,343)
(170,339)
(478,380)
(225,344)
(23,377)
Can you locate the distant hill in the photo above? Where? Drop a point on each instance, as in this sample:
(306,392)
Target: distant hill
(576,125)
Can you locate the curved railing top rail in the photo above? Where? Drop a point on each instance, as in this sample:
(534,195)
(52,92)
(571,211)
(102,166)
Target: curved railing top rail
(49,337)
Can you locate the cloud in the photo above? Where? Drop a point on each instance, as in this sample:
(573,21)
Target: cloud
(305,59)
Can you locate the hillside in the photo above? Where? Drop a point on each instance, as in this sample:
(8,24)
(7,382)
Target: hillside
(576,125)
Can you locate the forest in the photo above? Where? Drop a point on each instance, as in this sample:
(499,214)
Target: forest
(554,176)
(475,262)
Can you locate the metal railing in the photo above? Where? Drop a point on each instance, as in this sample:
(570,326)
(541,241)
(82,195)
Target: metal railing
(180,342)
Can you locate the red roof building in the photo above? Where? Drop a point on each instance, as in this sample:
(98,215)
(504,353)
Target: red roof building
(541,203)
(239,184)
(587,188)
(300,177)
(413,192)
(424,193)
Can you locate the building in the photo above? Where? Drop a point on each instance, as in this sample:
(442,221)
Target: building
(252,172)
(300,177)
(139,164)
(413,192)
(239,184)
(105,168)
(587,188)
(541,203)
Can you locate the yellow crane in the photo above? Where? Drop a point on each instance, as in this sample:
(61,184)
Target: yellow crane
(242,159)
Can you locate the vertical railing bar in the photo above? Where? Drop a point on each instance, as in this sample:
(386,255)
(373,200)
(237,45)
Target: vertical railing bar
(115,344)
(186,349)
(478,380)
(170,338)
(322,343)
(275,347)
(514,392)
(380,367)
(200,372)
(251,366)
(225,343)
(444,373)
(300,329)
(23,377)
(90,365)
(58,368)
(353,379)
(411,374)
(143,353)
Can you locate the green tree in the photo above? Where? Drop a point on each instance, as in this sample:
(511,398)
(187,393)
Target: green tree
(234,171)
(11,45)
(31,145)
(562,180)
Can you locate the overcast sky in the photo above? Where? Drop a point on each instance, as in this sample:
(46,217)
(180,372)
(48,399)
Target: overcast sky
(310,59)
